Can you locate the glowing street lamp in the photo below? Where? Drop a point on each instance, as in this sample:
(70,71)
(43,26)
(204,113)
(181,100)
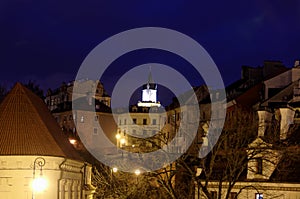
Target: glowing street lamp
(72,141)
(137,172)
(122,141)
(118,136)
(115,169)
(39,183)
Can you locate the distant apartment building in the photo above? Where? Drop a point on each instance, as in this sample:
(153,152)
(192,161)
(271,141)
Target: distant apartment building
(59,102)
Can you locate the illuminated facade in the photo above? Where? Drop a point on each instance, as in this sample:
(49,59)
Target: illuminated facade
(149,94)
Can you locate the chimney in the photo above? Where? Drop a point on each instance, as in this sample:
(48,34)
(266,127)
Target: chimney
(265,118)
(287,118)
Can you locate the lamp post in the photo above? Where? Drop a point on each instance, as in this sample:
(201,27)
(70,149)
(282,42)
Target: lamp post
(118,136)
(39,183)
(137,172)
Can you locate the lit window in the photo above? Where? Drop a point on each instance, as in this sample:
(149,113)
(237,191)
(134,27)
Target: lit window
(259,196)
(82,119)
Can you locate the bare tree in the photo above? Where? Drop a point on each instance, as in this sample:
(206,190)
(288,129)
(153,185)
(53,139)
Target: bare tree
(35,88)
(3,92)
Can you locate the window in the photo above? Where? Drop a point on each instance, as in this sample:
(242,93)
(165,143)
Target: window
(259,196)
(57,119)
(144,121)
(154,121)
(65,118)
(96,118)
(214,195)
(95,131)
(144,132)
(82,119)
(125,121)
(233,195)
(259,165)
(134,120)
(70,117)
(297,114)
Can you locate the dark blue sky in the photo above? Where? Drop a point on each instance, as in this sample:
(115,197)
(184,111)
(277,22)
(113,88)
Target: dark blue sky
(46,41)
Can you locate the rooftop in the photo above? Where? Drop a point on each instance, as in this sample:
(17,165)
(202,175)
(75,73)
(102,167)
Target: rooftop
(28,128)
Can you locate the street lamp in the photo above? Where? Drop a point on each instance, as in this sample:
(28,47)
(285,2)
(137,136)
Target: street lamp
(115,169)
(122,141)
(137,172)
(118,136)
(39,183)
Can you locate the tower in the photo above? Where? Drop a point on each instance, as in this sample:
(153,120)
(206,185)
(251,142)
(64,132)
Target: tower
(149,93)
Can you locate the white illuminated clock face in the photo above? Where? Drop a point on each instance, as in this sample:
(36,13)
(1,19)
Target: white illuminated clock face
(149,95)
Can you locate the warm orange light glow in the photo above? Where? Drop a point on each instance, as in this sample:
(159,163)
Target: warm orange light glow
(115,169)
(137,172)
(72,141)
(39,184)
(118,136)
(123,141)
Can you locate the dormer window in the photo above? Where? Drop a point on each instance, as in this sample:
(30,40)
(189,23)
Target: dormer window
(259,166)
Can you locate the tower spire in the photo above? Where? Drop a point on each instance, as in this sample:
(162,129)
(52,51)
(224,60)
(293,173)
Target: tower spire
(150,79)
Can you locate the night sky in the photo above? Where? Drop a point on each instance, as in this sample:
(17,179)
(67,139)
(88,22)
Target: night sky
(46,41)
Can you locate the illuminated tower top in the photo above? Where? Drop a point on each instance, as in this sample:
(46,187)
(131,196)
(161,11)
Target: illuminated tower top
(149,93)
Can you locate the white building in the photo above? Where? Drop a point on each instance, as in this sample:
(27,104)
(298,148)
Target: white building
(33,146)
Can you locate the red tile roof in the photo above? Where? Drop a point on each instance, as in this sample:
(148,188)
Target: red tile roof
(28,128)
